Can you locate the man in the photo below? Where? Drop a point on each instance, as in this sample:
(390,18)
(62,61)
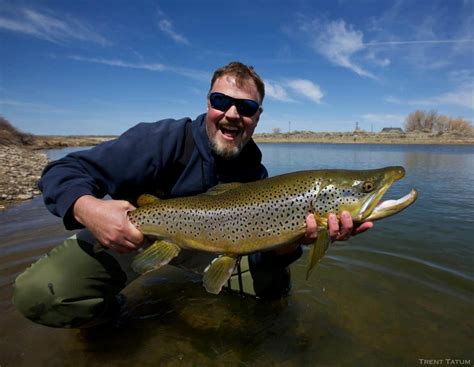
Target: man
(77,286)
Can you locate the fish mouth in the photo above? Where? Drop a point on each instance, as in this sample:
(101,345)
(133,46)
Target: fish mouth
(387,208)
(374,208)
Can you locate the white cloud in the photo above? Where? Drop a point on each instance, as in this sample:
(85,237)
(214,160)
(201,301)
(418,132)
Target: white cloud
(276,91)
(33,107)
(462,96)
(284,91)
(339,44)
(167,27)
(189,73)
(307,89)
(120,63)
(49,27)
(427,46)
(387,119)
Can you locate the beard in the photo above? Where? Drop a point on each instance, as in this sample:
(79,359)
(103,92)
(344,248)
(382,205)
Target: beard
(226,151)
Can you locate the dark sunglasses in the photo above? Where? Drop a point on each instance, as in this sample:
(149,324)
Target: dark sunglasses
(245,107)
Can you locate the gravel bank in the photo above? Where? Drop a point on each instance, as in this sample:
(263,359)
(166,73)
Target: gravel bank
(20,170)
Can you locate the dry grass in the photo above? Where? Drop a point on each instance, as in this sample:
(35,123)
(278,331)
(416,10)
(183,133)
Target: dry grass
(10,135)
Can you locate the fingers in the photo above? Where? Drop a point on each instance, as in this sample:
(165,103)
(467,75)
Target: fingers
(340,230)
(362,228)
(311,230)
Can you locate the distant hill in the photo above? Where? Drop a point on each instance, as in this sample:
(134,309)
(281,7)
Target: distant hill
(10,135)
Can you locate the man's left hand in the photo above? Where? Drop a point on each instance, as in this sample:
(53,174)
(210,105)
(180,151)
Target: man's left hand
(339,230)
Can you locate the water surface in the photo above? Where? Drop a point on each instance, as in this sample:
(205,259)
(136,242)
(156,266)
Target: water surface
(401,292)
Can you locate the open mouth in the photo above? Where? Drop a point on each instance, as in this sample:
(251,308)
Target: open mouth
(387,208)
(229,132)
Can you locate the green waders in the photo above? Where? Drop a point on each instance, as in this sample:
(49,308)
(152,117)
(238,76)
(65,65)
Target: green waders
(78,285)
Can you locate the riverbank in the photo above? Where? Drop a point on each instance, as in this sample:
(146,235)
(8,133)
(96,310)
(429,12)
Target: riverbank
(60,141)
(20,170)
(365,138)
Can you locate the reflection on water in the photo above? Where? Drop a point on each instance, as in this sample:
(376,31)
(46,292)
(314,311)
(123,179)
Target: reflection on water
(403,291)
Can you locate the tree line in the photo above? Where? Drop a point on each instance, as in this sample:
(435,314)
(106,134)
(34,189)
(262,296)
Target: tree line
(434,122)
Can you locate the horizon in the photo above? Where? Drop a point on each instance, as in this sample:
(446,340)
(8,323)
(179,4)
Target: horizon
(99,68)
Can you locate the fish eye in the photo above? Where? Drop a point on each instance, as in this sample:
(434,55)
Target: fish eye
(368,186)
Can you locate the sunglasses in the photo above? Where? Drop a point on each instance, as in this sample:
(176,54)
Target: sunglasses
(222,102)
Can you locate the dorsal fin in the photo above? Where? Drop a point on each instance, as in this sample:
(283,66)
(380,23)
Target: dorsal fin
(146,199)
(221,188)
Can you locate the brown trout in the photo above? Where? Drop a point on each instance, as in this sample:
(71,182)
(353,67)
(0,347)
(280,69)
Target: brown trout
(236,219)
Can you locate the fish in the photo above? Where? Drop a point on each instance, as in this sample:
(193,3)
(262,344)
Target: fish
(236,219)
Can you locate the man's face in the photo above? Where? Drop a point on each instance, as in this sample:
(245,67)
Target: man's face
(229,131)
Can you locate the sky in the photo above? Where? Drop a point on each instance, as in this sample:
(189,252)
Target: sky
(100,67)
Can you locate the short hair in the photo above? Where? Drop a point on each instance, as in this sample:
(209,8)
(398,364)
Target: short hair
(242,73)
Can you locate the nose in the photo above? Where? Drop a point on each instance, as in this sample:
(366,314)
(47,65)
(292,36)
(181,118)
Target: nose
(232,113)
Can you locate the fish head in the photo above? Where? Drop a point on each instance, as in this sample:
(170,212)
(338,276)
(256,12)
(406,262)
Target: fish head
(360,193)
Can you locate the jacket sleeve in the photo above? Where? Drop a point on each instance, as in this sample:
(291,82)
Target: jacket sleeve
(123,168)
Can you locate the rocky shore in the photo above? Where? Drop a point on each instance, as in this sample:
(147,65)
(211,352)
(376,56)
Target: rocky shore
(20,170)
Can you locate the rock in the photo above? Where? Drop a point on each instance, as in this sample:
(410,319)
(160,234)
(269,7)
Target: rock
(24,197)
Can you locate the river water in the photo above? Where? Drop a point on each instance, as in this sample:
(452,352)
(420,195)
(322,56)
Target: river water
(398,295)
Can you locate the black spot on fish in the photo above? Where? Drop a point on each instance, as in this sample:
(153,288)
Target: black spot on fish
(51,289)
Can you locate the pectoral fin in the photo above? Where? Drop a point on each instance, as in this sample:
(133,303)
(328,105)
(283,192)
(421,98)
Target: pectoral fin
(154,257)
(218,273)
(318,249)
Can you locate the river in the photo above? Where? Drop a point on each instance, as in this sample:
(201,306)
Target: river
(401,294)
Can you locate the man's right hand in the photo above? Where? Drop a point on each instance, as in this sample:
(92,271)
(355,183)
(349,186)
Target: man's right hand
(108,222)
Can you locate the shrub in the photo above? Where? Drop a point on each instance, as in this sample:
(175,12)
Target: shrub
(432,122)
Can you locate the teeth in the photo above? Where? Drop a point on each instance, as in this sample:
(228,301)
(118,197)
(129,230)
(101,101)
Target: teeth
(230,128)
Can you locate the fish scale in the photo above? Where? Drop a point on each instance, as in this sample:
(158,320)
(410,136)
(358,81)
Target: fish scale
(235,219)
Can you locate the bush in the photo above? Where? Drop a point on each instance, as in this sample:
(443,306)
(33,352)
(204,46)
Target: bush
(432,122)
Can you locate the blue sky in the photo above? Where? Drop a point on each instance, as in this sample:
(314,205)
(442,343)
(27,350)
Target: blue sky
(99,67)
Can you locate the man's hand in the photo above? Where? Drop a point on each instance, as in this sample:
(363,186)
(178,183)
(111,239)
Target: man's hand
(341,230)
(108,222)
(338,231)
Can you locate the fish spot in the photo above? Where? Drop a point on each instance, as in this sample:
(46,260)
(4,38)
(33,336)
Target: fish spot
(51,289)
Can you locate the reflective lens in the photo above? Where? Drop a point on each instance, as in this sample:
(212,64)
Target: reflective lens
(245,107)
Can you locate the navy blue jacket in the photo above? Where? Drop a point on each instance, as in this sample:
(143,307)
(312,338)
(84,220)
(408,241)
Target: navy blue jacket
(137,163)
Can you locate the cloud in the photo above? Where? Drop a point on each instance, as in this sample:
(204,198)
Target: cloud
(307,89)
(276,91)
(387,119)
(120,63)
(167,27)
(394,36)
(462,96)
(49,27)
(338,43)
(32,107)
(301,87)
(189,73)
